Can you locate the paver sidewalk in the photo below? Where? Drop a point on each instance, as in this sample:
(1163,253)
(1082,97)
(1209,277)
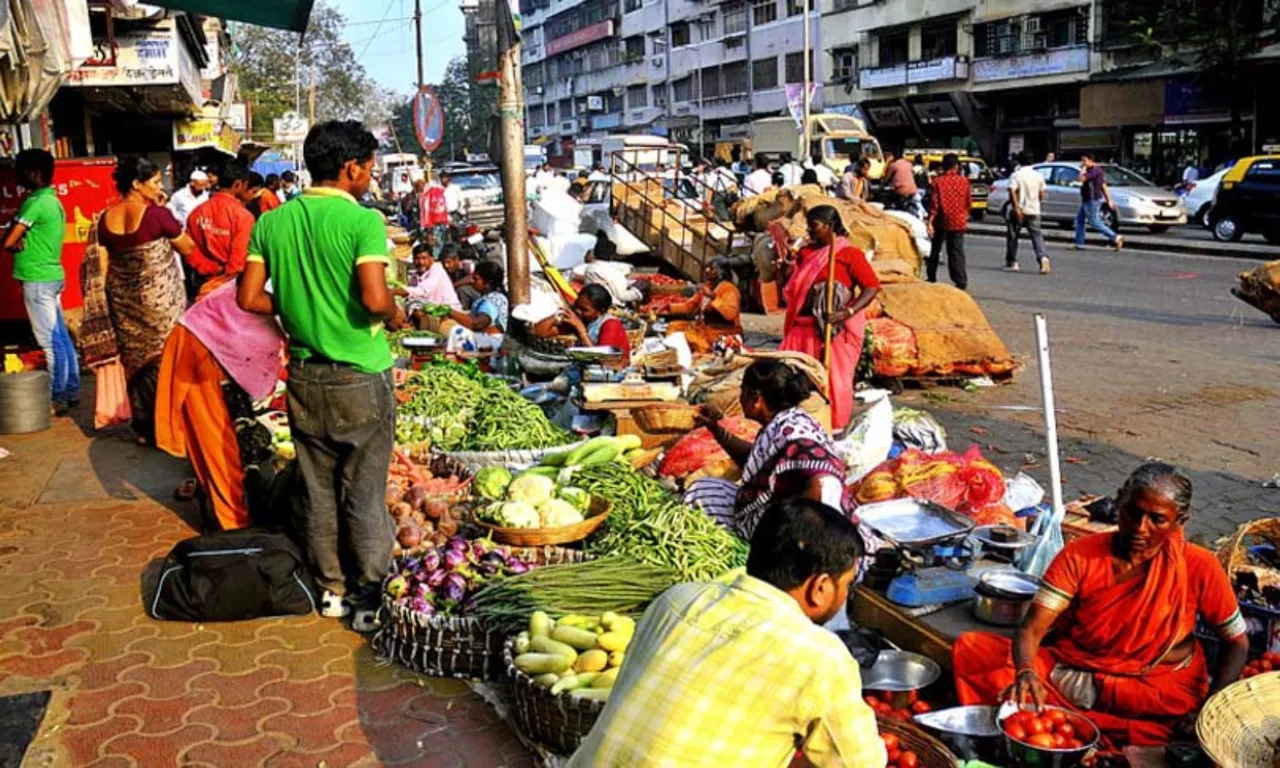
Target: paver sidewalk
(81,518)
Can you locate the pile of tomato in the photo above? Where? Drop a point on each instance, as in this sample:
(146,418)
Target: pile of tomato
(656,279)
(902,758)
(1269,662)
(1051,729)
(882,703)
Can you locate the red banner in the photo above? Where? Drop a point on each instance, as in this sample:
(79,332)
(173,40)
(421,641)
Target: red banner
(597,31)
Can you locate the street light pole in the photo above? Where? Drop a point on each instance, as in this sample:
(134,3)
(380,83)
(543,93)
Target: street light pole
(511,120)
(417,25)
(808,75)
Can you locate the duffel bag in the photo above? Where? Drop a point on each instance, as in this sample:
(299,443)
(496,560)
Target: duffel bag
(233,575)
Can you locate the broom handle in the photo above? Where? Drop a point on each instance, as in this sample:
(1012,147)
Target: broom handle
(831,302)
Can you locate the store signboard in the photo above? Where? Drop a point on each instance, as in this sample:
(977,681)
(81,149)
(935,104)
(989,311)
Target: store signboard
(612,120)
(1058,62)
(935,112)
(200,133)
(588,34)
(888,116)
(238,117)
(140,57)
(290,128)
(946,68)
(884,77)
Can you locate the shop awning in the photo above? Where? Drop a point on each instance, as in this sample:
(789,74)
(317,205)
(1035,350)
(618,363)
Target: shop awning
(284,14)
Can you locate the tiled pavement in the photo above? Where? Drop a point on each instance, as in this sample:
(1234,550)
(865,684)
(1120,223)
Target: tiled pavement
(82,519)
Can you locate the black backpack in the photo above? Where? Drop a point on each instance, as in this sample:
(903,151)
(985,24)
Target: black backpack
(233,575)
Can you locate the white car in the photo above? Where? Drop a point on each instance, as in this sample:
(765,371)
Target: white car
(1139,203)
(1200,199)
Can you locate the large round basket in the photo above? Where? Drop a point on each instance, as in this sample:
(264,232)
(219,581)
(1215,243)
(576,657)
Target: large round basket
(522,459)
(557,722)
(535,537)
(453,646)
(666,418)
(1239,726)
(932,753)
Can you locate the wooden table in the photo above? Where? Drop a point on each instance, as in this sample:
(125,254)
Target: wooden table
(930,635)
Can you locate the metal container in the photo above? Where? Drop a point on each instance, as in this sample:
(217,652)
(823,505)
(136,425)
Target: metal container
(970,731)
(1026,756)
(1002,597)
(901,671)
(914,523)
(25,402)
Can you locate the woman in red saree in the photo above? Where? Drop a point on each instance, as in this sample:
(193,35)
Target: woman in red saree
(1123,607)
(804,328)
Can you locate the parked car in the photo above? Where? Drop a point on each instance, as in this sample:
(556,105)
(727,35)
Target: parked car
(478,183)
(1248,201)
(973,168)
(1139,203)
(1200,199)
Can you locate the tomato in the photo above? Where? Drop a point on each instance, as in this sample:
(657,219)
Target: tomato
(1036,726)
(1016,732)
(1267,665)
(890,740)
(1075,744)
(1054,717)
(920,707)
(894,754)
(1059,741)
(1067,730)
(903,714)
(913,696)
(870,701)
(1043,740)
(908,760)
(1020,718)
(886,696)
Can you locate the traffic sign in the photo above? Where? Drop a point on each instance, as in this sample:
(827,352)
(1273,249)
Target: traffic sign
(428,119)
(290,128)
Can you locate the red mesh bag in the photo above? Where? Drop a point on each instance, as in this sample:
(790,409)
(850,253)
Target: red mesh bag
(698,448)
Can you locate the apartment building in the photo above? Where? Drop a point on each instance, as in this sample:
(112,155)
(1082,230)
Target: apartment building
(697,71)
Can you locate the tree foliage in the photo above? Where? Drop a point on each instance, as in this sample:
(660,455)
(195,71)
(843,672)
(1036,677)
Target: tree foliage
(467,105)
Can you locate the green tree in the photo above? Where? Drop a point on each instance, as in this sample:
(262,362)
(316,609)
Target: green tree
(268,61)
(467,108)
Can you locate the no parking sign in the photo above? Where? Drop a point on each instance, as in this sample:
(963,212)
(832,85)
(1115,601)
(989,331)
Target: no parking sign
(428,119)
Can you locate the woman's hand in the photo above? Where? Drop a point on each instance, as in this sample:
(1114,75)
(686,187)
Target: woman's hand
(839,317)
(708,416)
(1027,688)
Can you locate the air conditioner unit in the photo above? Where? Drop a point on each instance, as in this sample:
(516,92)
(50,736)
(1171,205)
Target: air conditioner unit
(618,90)
(1031,24)
(538,90)
(656,61)
(595,103)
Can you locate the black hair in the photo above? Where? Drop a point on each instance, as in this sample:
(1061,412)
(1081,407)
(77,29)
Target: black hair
(582,174)
(36,166)
(491,273)
(131,168)
(816,157)
(864,162)
(1086,156)
(289,176)
(777,179)
(272,178)
(810,176)
(420,247)
(1024,158)
(255,180)
(231,172)
(781,386)
(1159,477)
(762,161)
(950,161)
(449,251)
(599,297)
(330,145)
(919,158)
(797,539)
(828,215)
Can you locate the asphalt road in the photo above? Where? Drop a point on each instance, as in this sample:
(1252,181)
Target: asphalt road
(1182,235)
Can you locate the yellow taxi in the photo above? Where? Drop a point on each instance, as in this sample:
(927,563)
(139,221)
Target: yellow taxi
(973,168)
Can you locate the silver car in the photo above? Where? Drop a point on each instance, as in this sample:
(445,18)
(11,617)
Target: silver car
(1139,203)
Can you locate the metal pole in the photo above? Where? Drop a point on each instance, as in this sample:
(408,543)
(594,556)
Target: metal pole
(511,120)
(1050,414)
(311,97)
(417,26)
(808,75)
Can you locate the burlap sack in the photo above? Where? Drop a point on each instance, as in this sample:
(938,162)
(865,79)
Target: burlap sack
(949,326)
(720,385)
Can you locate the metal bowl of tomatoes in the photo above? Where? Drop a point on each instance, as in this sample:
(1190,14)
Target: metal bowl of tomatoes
(1051,738)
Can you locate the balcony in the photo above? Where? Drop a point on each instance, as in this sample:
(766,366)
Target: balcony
(600,122)
(915,73)
(1059,61)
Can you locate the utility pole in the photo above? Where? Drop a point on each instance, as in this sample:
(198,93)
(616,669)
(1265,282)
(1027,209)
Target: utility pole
(808,75)
(511,121)
(417,26)
(311,97)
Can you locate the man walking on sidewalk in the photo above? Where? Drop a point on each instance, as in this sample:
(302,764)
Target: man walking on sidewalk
(326,257)
(1026,190)
(949,201)
(1093,193)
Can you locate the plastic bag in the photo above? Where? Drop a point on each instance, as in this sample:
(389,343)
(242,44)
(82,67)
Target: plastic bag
(918,429)
(111,399)
(1048,527)
(867,444)
(1022,492)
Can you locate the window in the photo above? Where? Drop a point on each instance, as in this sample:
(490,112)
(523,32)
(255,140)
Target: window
(844,63)
(937,42)
(1265,173)
(637,96)
(633,48)
(763,11)
(710,80)
(681,90)
(532,76)
(612,101)
(660,95)
(796,7)
(679,34)
(566,109)
(630,5)
(764,74)
(735,18)
(733,79)
(1064,176)
(1055,29)
(893,49)
(795,67)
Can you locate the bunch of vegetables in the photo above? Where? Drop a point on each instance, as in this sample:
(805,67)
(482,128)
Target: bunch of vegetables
(440,580)
(1053,728)
(532,500)
(609,584)
(578,655)
(416,501)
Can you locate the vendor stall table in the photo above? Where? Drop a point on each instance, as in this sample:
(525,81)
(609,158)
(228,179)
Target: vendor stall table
(930,635)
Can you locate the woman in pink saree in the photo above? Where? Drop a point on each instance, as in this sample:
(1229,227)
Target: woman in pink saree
(804,329)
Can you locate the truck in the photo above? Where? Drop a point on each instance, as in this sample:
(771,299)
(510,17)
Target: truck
(627,153)
(398,172)
(534,156)
(838,139)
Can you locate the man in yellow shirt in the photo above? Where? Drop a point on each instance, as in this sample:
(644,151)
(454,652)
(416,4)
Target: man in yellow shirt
(738,671)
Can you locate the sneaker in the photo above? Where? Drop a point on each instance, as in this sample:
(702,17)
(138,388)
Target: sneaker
(333,606)
(1119,243)
(1076,247)
(1044,266)
(1012,267)
(365,620)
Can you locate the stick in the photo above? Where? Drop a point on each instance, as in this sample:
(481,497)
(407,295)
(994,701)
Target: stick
(831,301)
(1050,416)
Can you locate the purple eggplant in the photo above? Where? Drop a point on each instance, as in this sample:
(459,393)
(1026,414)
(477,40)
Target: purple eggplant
(436,577)
(455,587)
(458,543)
(454,559)
(430,559)
(516,566)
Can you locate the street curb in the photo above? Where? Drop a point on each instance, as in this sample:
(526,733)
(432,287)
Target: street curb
(1145,243)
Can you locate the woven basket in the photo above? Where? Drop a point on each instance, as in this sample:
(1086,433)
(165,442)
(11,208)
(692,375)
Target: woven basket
(478,460)
(564,534)
(453,646)
(1232,555)
(932,753)
(1238,726)
(666,419)
(557,722)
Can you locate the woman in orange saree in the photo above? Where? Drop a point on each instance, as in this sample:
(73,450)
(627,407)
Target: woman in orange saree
(716,310)
(1123,607)
(806,294)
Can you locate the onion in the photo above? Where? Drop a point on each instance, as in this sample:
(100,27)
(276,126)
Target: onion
(409,537)
(417,497)
(436,509)
(395,494)
(447,526)
(400,510)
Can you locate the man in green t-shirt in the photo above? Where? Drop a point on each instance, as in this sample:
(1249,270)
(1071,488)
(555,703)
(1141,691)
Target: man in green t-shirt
(326,258)
(35,239)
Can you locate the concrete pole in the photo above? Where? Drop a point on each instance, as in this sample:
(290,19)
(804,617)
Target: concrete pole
(511,121)
(808,76)
(417,27)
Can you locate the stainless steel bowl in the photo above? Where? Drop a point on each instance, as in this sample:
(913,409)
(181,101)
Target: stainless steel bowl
(1023,755)
(901,671)
(1003,597)
(969,731)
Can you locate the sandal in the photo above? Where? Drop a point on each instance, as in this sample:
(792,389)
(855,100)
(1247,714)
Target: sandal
(365,620)
(187,490)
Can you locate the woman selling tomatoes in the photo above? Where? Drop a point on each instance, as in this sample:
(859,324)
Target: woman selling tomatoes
(1123,606)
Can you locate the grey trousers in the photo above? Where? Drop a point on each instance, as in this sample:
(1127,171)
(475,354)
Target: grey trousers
(1012,228)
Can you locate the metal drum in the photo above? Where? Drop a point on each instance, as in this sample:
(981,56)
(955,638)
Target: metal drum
(25,402)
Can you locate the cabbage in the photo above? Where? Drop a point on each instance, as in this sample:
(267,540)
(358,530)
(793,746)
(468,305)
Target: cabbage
(492,482)
(579,498)
(518,514)
(558,512)
(531,489)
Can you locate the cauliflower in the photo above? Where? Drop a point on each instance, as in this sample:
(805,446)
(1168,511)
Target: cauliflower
(518,514)
(557,512)
(492,482)
(579,498)
(531,489)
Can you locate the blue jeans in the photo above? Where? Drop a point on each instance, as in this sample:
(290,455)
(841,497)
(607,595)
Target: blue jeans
(1089,211)
(44,308)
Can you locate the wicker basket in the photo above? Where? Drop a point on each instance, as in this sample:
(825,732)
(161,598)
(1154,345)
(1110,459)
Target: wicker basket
(514,459)
(557,722)
(666,419)
(932,753)
(453,646)
(536,537)
(1232,555)
(1238,726)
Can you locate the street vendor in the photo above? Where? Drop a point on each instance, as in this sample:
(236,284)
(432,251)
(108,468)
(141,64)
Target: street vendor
(463,281)
(488,315)
(591,322)
(1123,606)
(792,456)
(738,671)
(715,309)
(806,294)
(428,283)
